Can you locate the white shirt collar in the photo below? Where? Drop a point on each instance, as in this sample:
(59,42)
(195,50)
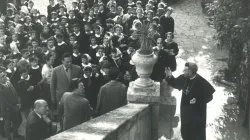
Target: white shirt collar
(96,74)
(47,52)
(55,19)
(38,115)
(72,17)
(192,77)
(102,72)
(60,44)
(28,24)
(76,55)
(26,78)
(86,76)
(34,68)
(96,35)
(84,65)
(98,55)
(90,32)
(10,71)
(27,60)
(77,34)
(65,68)
(64,13)
(93,47)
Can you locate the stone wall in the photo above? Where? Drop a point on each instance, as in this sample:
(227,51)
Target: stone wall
(131,122)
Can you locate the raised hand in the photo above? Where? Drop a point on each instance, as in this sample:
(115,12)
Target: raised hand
(168,72)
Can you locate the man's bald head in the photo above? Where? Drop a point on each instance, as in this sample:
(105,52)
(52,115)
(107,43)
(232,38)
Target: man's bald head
(41,107)
(39,103)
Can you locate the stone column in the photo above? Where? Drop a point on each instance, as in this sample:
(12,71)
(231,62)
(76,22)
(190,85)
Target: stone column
(148,95)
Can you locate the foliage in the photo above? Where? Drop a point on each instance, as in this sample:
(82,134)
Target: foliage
(231,19)
(145,39)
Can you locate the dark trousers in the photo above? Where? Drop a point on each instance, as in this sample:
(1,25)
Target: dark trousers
(2,127)
(13,120)
(46,95)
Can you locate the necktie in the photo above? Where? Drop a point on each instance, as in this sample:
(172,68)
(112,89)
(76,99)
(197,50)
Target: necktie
(67,73)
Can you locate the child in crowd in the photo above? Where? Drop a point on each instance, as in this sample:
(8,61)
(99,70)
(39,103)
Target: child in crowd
(76,56)
(99,34)
(85,61)
(35,76)
(25,89)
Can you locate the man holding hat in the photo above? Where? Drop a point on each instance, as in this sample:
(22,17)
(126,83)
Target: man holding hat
(196,93)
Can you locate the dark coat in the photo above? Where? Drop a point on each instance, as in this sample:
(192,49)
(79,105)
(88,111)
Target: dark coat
(84,41)
(36,128)
(91,88)
(8,100)
(116,43)
(170,60)
(111,96)
(27,97)
(76,60)
(167,24)
(193,116)
(60,50)
(51,9)
(75,109)
(117,63)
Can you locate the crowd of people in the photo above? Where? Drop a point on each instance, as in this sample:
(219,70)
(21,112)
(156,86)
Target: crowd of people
(74,60)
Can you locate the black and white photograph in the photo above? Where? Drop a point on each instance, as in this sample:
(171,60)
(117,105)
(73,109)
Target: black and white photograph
(124,70)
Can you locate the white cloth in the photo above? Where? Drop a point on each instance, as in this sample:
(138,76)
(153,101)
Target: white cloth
(47,72)
(13,47)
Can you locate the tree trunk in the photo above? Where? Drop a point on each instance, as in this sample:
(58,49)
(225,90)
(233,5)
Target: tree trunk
(235,52)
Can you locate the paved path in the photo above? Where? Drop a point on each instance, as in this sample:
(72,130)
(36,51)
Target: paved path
(195,39)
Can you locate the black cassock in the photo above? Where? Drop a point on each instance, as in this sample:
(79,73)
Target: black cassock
(193,116)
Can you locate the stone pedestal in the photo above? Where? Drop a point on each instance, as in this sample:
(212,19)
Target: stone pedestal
(149,95)
(167,118)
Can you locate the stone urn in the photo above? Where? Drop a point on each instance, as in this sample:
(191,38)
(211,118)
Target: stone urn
(144,67)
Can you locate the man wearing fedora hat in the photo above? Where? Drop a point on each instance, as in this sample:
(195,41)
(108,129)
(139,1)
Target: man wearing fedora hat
(196,93)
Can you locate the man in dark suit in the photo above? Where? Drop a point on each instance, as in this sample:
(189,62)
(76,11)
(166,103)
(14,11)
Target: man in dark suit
(10,106)
(37,127)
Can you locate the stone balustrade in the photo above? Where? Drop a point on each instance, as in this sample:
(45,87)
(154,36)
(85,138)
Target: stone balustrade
(130,122)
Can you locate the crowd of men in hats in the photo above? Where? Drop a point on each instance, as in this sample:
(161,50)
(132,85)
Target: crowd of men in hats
(74,60)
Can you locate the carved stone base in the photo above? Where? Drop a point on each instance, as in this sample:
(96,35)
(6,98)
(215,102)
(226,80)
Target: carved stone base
(149,95)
